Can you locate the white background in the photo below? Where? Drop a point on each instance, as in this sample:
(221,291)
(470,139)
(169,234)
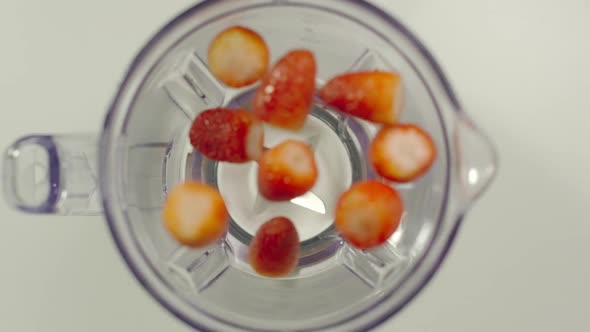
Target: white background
(521,67)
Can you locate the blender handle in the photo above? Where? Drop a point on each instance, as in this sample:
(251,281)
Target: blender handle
(477,159)
(47,174)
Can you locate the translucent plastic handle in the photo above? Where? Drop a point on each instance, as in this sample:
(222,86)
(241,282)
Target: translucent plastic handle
(52,174)
(477,160)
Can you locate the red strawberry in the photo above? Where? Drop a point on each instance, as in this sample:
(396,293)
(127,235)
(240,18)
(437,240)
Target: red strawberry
(274,251)
(402,152)
(368,214)
(286,171)
(228,135)
(374,96)
(238,56)
(285,96)
(195,215)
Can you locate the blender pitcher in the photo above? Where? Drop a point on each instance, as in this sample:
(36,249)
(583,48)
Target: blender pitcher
(143,151)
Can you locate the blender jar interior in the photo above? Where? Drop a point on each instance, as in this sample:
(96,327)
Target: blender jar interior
(334,282)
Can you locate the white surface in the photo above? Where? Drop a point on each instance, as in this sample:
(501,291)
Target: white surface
(521,262)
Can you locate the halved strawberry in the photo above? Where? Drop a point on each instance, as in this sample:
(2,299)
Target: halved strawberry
(228,135)
(238,56)
(402,152)
(274,251)
(368,214)
(285,96)
(195,214)
(286,171)
(375,96)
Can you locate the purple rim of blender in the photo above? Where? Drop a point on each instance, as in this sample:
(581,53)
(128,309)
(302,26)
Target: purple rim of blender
(366,326)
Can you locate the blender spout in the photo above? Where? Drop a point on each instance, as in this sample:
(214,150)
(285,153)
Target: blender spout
(477,160)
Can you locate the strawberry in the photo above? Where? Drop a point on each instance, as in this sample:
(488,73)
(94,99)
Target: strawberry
(238,56)
(227,135)
(368,214)
(274,251)
(402,152)
(285,96)
(195,214)
(286,171)
(375,96)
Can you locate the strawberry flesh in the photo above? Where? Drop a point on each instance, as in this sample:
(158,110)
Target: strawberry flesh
(368,214)
(402,152)
(195,214)
(238,56)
